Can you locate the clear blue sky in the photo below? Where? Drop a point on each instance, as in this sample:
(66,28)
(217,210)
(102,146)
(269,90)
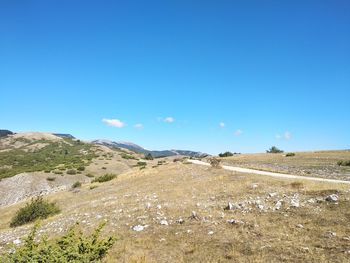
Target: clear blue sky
(274,72)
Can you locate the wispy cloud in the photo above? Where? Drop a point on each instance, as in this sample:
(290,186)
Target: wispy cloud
(138,126)
(286,136)
(113,122)
(169,119)
(222,125)
(238,132)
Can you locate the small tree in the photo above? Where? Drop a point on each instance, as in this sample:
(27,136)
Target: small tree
(148,156)
(225,154)
(274,149)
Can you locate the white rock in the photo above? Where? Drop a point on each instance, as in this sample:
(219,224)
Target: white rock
(299,226)
(330,234)
(272,194)
(210,232)
(278,205)
(332,198)
(164,222)
(16,241)
(294,203)
(138,228)
(159,206)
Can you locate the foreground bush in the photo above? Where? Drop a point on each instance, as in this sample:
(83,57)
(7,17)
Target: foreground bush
(72,247)
(104,178)
(38,208)
(214,162)
(77,184)
(343,163)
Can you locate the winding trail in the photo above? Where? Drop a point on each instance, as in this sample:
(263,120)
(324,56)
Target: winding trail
(280,175)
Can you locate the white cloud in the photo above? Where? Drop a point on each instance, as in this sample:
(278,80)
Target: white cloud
(222,125)
(238,132)
(287,135)
(278,136)
(169,119)
(138,126)
(114,122)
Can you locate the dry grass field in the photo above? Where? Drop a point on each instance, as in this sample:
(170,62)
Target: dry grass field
(319,164)
(181,210)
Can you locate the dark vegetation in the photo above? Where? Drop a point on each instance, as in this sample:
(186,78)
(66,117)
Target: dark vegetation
(77,184)
(37,208)
(128,156)
(344,163)
(65,155)
(104,178)
(74,246)
(290,154)
(148,156)
(274,149)
(225,154)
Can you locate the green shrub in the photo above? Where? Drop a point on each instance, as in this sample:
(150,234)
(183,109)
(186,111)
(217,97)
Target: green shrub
(37,208)
(225,154)
(74,246)
(104,168)
(290,154)
(57,172)
(47,171)
(104,178)
(51,179)
(72,171)
(93,187)
(141,163)
(148,156)
(274,149)
(76,184)
(81,168)
(127,156)
(344,163)
(89,175)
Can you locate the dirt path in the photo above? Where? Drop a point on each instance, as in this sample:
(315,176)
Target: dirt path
(280,175)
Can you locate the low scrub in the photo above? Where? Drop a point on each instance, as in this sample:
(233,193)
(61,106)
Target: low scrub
(290,154)
(127,156)
(74,246)
(104,178)
(344,163)
(214,162)
(77,184)
(51,179)
(72,171)
(37,208)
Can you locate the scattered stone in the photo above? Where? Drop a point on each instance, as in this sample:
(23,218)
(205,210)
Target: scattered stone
(332,198)
(138,228)
(210,232)
(299,226)
(330,234)
(254,186)
(272,194)
(234,222)
(159,206)
(294,202)
(278,205)
(164,222)
(148,205)
(194,216)
(180,221)
(17,241)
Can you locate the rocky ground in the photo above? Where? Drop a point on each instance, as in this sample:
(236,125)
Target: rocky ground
(178,212)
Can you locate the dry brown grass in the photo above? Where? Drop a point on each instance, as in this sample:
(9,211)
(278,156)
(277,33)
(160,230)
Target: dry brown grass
(319,164)
(270,236)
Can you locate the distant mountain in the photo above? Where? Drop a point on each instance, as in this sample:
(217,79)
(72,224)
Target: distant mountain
(4,133)
(64,135)
(136,148)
